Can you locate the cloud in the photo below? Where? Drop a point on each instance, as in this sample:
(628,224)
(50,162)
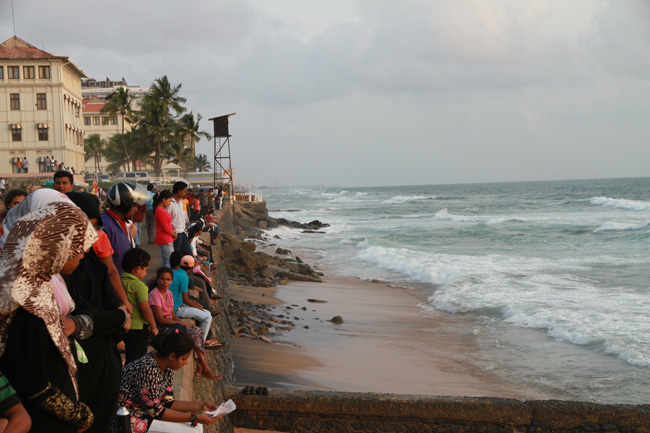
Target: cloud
(352,92)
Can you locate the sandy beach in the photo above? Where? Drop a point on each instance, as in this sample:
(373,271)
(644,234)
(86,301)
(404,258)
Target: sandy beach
(387,343)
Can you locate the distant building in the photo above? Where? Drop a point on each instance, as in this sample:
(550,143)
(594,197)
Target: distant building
(102,89)
(40,107)
(95,94)
(96,122)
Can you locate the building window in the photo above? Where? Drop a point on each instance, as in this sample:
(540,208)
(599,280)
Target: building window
(41,101)
(16,134)
(42,134)
(14,101)
(28,72)
(114,121)
(86,120)
(104,120)
(13,72)
(44,72)
(95,120)
(2,72)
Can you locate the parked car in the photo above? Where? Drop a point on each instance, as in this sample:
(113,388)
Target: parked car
(89,177)
(133,176)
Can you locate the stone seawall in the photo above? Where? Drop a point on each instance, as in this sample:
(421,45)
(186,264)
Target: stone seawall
(328,412)
(219,360)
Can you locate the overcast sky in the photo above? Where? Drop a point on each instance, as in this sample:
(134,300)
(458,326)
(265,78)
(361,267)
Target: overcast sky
(382,92)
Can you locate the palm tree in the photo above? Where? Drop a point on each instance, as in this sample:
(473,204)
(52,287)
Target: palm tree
(156,118)
(177,152)
(119,102)
(201,163)
(166,95)
(114,153)
(189,130)
(94,147)
(155,131)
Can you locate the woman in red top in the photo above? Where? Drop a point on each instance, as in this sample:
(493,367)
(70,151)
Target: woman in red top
(165,233)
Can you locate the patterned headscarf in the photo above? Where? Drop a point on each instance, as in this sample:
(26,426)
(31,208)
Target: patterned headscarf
(33,201)
(39,245)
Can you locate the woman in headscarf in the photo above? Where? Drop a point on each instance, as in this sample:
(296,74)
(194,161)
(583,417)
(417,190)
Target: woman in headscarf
(35,200)
(36,354)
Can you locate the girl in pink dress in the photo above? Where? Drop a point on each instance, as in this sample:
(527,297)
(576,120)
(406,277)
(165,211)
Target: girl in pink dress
(161,301)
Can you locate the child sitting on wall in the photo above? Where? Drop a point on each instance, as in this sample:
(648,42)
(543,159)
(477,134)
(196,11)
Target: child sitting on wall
(135,264)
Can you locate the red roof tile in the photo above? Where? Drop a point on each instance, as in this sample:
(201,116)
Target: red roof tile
(93,105)
(16,48)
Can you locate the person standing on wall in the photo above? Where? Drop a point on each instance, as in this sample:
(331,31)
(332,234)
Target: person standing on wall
(179,217)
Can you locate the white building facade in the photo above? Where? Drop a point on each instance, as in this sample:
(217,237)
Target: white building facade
(40,108)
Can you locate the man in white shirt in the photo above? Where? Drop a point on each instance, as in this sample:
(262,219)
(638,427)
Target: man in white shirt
(179,218)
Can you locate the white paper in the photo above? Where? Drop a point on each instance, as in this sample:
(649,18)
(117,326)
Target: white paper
(224,409)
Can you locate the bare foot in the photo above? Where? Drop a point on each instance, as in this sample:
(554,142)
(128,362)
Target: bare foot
(209,374)
(199,370)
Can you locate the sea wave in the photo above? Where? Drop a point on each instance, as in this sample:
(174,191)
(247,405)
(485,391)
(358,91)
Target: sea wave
(619,227)
(636,205)
(486,219)
(418,267)
(401,199)
(575,310)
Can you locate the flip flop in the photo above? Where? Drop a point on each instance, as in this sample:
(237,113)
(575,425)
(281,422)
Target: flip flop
(213,345)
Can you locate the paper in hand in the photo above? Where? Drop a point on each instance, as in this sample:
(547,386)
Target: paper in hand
(225,408)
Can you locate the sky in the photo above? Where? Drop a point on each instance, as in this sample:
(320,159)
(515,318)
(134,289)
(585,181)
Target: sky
(382,92)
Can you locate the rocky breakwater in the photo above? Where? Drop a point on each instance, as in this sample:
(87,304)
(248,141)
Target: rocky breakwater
(247,266)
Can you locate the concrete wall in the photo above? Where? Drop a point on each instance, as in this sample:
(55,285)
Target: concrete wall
(219,360)
(324,412)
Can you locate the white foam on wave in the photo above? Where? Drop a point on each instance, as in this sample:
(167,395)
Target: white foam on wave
(485,219)
(570,308)
(636,205)
(400,199)
(282,232)
(335,194)
(338,228)
(620,227)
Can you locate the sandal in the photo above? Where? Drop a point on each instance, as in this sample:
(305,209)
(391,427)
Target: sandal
(213,345)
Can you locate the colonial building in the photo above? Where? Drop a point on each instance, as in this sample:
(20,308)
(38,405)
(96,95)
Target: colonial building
(40,108)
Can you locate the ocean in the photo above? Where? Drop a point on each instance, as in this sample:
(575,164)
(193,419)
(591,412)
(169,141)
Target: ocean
(552,277)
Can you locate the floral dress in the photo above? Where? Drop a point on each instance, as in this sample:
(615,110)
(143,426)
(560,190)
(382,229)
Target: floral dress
(145,391)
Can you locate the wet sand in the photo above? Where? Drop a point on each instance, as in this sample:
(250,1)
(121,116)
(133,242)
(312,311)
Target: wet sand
(387,344)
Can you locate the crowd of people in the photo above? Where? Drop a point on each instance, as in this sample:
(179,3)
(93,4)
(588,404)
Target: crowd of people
(72,296)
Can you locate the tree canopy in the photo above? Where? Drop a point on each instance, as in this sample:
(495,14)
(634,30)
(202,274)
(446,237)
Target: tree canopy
(161,131)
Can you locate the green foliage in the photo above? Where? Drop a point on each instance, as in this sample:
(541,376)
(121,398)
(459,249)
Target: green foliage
(201,163)
(160,129)
(94,147)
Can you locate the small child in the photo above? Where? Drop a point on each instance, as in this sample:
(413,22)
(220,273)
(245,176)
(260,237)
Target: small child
(135,264)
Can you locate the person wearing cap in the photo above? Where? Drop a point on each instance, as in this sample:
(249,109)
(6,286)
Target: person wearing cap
(122,200)
(184,306)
